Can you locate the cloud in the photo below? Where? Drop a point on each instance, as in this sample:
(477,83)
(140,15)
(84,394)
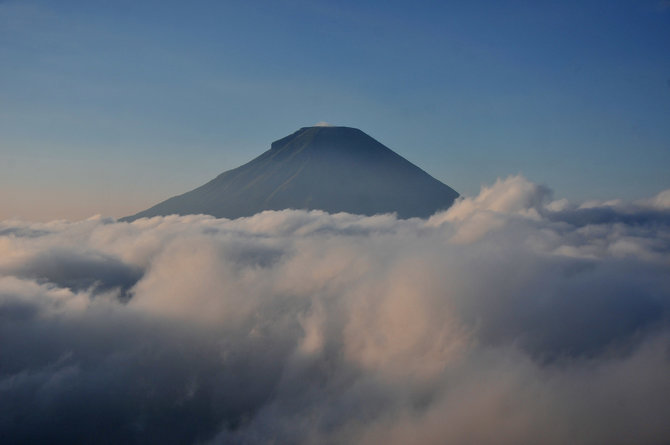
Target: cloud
(661,201)
(508,318)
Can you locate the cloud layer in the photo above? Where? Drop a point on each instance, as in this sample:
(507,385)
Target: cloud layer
(509,318)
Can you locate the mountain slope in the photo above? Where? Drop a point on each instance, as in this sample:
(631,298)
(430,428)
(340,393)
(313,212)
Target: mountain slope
(336,169)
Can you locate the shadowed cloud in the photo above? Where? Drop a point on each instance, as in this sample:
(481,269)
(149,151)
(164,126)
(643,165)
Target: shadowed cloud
(506,319)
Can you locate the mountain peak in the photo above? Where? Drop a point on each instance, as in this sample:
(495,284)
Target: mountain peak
(331,168)
(332,138)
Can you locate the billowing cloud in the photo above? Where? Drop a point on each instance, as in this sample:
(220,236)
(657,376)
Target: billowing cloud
(509,318)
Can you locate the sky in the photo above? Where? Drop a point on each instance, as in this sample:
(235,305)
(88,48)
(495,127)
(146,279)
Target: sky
(536,309)
(107,107)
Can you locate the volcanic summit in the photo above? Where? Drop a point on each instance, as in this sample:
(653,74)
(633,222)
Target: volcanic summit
(335,169)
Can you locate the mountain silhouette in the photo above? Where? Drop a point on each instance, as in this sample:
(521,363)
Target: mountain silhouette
(336,169)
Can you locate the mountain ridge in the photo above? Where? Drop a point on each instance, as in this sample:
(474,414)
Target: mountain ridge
(336,169)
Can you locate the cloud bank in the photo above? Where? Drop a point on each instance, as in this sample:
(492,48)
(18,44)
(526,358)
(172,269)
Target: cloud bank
(509,318)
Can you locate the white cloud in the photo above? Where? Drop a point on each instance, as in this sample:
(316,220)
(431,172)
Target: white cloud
(505,319)
(660,201)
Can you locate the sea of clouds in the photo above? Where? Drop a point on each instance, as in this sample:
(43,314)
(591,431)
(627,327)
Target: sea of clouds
(508,319)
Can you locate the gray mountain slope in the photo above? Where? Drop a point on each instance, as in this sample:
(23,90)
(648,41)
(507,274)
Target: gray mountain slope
(336,169)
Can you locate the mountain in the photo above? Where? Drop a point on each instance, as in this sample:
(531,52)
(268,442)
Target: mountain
(336,169)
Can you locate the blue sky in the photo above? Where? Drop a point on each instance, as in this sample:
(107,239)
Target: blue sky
(110,106)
